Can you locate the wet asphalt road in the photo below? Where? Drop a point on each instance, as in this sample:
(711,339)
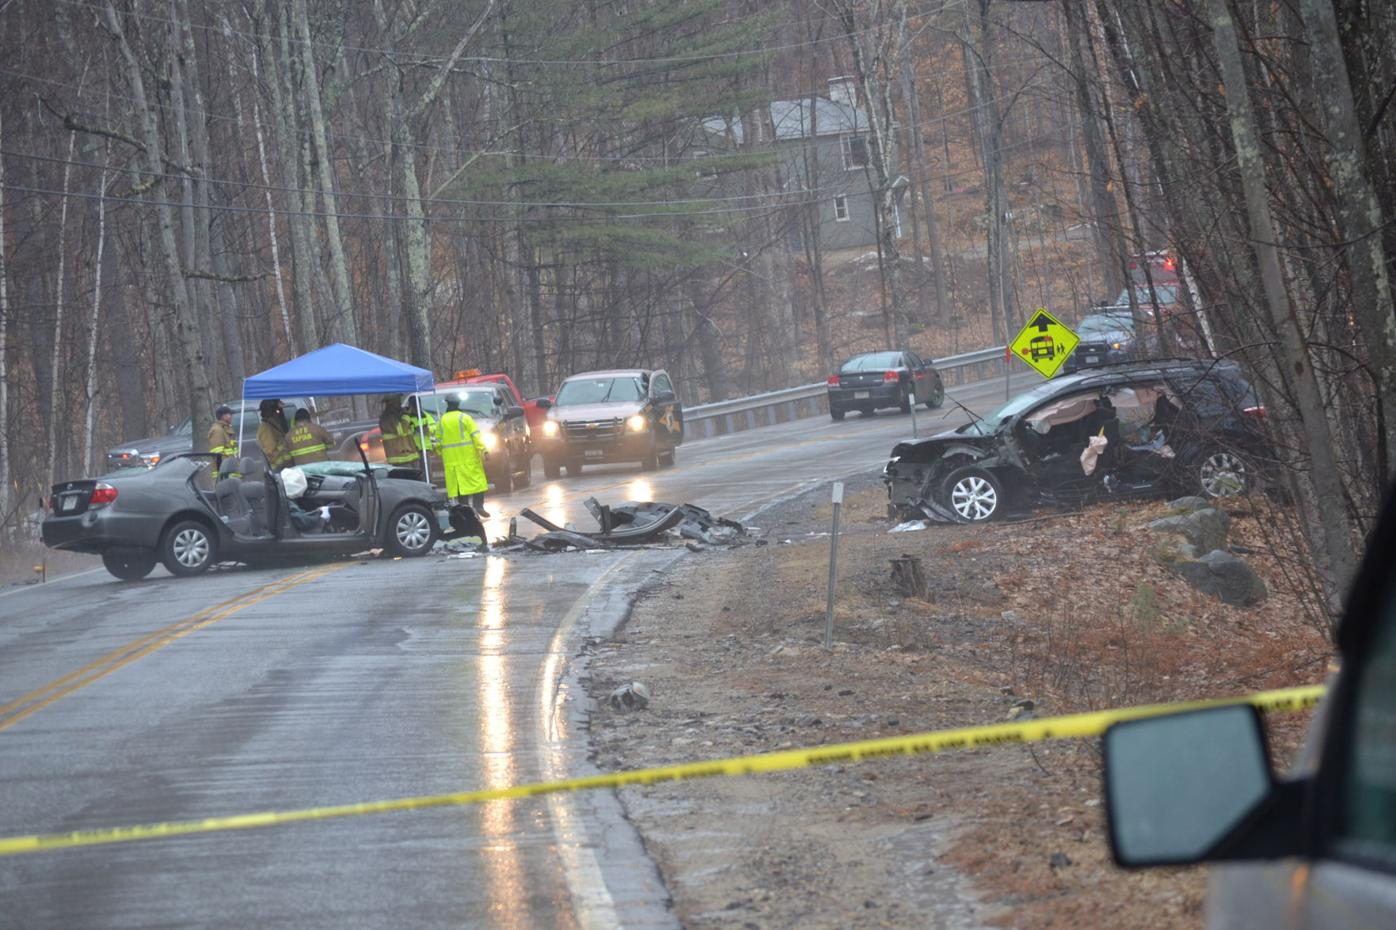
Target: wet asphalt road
(249,690)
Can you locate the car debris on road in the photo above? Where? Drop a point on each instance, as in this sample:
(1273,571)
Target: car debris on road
(633,523)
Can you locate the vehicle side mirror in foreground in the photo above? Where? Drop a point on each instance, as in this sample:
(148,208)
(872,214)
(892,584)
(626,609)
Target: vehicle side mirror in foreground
(665,397)
(1177,786)
(543,403)
(512,412)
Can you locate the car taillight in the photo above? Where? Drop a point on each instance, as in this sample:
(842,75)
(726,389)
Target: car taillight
(1257,413)
(890,376)
(833,381)
(102,495)
(363,447)
(1169,264)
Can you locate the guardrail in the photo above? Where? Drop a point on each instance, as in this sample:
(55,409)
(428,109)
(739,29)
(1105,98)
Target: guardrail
(808,400)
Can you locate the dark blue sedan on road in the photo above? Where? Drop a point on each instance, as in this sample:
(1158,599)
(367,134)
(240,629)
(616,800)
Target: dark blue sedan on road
(875,380)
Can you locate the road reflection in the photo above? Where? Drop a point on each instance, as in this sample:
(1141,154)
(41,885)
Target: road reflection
(639,490)
(504,868)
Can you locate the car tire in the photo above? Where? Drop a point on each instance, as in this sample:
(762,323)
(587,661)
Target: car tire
(505,484)
(1223,472)
(973,494)
(129,563)
(836,414)
(552,468)
(937,396)
(188,548)
(525,477)
(411,531)
(667,459)
(574,468)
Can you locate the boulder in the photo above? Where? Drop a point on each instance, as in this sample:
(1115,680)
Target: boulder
(1204,529)
(1223,576)
(1188,504)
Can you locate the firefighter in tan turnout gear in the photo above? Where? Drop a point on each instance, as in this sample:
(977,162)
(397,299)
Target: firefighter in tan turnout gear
(271,434)
(308,440)
(398,447)
(221,440)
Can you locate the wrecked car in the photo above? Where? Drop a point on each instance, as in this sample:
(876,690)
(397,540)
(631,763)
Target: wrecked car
(1140,429)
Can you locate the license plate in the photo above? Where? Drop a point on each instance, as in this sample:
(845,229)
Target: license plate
(594,453)
(1092,359)
(68,502)
(862,395)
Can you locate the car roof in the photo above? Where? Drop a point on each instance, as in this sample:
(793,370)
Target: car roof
(611,373)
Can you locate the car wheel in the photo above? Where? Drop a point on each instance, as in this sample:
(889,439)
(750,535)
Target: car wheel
(552,468)
(937,396)
(904,401)
(504,484)
(188,548)
(975,494)
(836,413)
(525,478)
(667,459)
(411,531)
(1223,473)
(574,468)
(129,563)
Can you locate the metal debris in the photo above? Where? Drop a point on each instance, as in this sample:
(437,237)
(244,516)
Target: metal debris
(634,696)
(634,523)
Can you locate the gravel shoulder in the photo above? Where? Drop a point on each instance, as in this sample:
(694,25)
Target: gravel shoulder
(1066,611)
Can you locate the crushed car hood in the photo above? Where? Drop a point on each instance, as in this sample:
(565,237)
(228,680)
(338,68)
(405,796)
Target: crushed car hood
(572,413)
(932,446)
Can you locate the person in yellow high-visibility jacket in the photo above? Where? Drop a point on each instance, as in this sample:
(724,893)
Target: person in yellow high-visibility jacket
(463,456)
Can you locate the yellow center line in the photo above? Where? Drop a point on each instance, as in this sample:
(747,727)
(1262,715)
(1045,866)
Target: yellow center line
(98,669)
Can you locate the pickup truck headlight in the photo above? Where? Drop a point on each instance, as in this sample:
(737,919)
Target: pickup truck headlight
(550,428)
(636,423)
(490,438)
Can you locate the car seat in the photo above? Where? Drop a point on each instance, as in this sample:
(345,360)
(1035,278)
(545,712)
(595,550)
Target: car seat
(233,504)
(254,488)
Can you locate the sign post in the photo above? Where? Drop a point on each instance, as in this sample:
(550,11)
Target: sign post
(833,567)
(1044,343)
(912,396)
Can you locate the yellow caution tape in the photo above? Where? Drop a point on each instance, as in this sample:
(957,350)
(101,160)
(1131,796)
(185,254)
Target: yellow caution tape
(1073,726)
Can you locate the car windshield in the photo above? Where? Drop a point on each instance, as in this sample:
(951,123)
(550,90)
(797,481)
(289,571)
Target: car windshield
(873,361)
(1167,294)
(477,403)
(1011,408)
(1101,324)
(601,390)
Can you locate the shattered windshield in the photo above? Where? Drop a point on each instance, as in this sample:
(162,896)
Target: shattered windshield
(990,423)
(601,391)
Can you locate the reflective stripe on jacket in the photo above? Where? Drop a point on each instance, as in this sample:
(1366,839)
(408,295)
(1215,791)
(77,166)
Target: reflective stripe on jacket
(309,442)
(398,447)
(221,440)
(423,431)
(462,454)
(273,444)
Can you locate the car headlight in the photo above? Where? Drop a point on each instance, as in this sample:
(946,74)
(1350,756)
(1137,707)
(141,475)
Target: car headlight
(152,459)
(490,438)
(637,423)
(550,428)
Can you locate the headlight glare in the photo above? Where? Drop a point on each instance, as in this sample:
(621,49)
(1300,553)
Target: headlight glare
(490,438)
(550,428)
(637,423)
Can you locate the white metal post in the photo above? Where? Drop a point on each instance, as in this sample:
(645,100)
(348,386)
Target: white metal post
(833,567)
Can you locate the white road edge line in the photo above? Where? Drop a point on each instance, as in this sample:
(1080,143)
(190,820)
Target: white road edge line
(592,904)
(48,584)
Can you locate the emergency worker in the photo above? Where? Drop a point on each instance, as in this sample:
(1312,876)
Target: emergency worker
(222,442)
(424,434)
(463,457)
(271,434)
(397,433)
(308,441)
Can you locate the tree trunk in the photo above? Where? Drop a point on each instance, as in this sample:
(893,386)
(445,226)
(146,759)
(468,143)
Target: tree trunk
(978,56)
(55,364)
(1325,472)
(4,356)
(921,172)
(89,382)
(1360,215)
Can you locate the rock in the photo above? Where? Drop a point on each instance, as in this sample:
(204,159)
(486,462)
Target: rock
(1169,552)
(634,696)
(1204,529)
(1059,860)
(1009,616)
(1225,577)
(1184,505)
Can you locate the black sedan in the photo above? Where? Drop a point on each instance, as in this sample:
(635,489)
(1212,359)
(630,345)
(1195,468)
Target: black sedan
(1135,430)
(874,380)
(181,514)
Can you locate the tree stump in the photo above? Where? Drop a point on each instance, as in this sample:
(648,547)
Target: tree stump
(907,577)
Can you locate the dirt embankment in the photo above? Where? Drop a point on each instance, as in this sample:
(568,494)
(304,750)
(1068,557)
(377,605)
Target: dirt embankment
(1066,611)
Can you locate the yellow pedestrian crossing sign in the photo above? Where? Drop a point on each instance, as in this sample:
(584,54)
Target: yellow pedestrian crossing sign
(1044,343)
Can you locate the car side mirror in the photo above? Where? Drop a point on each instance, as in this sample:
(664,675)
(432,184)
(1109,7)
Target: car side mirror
(665,397)
(513,413)
(543,403)
(1178,786)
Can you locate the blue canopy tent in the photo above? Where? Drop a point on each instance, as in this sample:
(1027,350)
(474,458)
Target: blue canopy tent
(337,370)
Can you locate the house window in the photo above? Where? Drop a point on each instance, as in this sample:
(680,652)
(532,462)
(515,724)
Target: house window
(855,152)
(841,209)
